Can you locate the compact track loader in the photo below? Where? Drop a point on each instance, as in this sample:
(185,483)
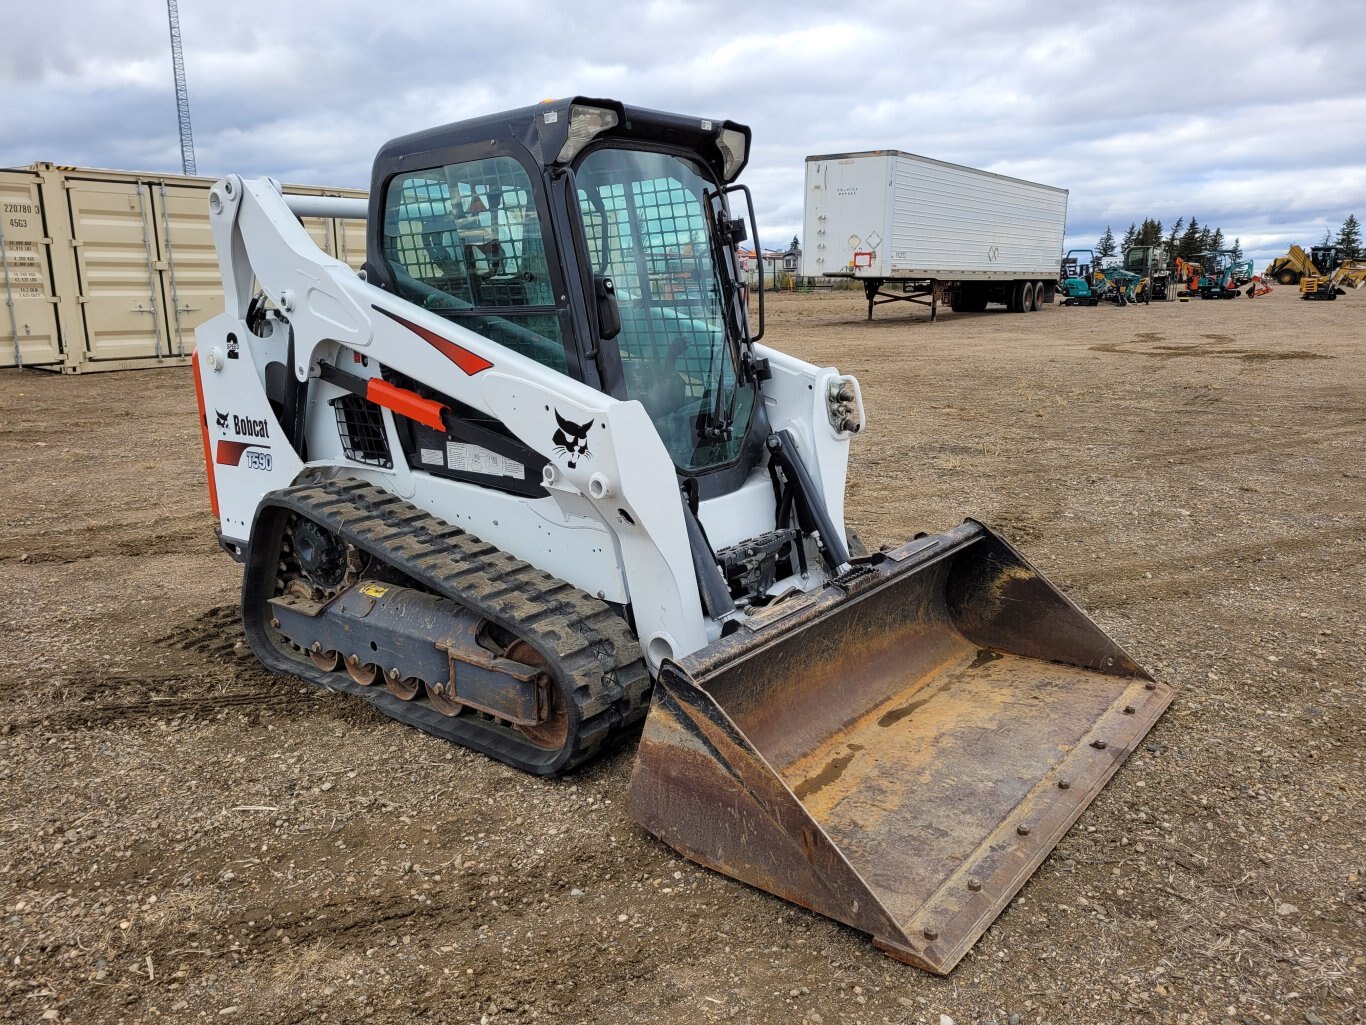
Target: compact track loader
(530,478)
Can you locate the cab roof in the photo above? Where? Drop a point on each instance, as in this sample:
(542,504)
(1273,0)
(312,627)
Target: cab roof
(543,128)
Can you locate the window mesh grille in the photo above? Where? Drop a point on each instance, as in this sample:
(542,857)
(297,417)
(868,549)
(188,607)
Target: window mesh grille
(360,424)
(647,227)
(466,239)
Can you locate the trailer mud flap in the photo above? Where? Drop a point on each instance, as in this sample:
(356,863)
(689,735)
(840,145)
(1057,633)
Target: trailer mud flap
(900,756)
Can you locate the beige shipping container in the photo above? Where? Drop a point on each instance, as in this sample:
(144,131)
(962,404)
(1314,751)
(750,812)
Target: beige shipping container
(112,270)
(28,321)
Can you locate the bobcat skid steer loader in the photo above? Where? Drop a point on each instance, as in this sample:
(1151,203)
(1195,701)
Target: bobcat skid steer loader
(530,478)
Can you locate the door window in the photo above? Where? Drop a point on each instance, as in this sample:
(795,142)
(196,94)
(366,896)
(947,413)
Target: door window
(466,240)
(646,224)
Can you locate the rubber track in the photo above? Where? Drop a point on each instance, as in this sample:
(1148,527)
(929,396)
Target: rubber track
(589,649)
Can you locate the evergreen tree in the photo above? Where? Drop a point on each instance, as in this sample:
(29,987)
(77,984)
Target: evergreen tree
(1216,240)
(1349,239)
(1150,234)
(1327,237)
(1130,237)
(1173,240)
(1189,246)
(1106,246)
(1237,249)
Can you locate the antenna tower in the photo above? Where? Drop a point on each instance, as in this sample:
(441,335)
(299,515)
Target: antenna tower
(182,96)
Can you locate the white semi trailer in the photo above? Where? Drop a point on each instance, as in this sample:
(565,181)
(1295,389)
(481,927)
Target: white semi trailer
(941,232)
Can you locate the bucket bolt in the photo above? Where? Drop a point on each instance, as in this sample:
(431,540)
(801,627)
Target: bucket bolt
(974,884)
(931,933)
(1023,830)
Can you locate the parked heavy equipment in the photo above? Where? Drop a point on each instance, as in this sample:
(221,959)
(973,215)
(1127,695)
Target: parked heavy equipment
(1217,275)
(1187,273)
(531,476)
(1328,271)
(1154,270)
(1294,265)
(1084,282)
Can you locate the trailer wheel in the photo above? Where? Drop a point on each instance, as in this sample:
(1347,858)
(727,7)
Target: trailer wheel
(1035,296)
(1019,297)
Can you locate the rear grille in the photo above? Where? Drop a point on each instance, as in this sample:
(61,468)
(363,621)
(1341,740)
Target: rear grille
(360,424)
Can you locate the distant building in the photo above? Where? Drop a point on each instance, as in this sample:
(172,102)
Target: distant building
(779,265)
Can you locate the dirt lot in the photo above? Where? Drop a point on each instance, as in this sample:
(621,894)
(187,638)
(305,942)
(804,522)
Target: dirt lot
(185,837)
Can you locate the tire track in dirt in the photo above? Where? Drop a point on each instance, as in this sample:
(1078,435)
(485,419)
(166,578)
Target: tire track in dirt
(173,537)
(1217,346)
(1209,569)
(1250,446)
(341,920)
(216,631)
(205,706)
(1189,454)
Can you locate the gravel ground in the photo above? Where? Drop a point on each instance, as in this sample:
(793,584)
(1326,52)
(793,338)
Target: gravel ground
(184,837)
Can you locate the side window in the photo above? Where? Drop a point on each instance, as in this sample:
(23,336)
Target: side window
(645,222)
(465,240)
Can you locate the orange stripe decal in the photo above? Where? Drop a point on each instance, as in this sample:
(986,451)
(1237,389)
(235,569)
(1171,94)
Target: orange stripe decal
(230,452)
(406,403)
(470,362)
(204,431)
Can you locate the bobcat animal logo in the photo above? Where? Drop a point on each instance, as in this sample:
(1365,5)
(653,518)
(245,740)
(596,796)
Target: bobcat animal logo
(571,439)
(222,419)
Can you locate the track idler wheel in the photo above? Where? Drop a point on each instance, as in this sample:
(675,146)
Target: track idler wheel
(443,699)
(405,688)
(364,673)
(552,732)
(327,661)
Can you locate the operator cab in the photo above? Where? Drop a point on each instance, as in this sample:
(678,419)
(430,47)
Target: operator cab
(1077,264)
(596,239)
(1325,258)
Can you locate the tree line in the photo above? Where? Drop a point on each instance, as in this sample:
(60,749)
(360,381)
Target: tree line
(1189,240)
(1183,239)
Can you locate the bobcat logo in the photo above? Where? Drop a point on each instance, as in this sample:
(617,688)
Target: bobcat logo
(222,419)
(571,439)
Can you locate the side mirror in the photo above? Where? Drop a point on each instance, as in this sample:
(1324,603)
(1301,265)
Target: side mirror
(730,227)
(609,313)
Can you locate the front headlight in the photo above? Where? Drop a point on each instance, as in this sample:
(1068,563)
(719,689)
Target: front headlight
(732,146)
(584,124)
(844,405)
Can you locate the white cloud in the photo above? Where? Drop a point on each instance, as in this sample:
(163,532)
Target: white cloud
(1254,120)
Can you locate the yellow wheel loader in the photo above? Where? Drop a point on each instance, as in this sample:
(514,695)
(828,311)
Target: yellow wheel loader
(1292,267)
(531,478)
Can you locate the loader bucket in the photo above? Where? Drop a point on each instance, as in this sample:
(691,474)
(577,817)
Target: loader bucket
(899,754)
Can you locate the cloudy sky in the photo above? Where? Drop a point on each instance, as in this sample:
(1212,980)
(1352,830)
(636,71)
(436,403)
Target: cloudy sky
(1250,116)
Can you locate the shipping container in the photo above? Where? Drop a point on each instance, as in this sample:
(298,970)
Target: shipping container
(943,232)
(112,270)
(28,323)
